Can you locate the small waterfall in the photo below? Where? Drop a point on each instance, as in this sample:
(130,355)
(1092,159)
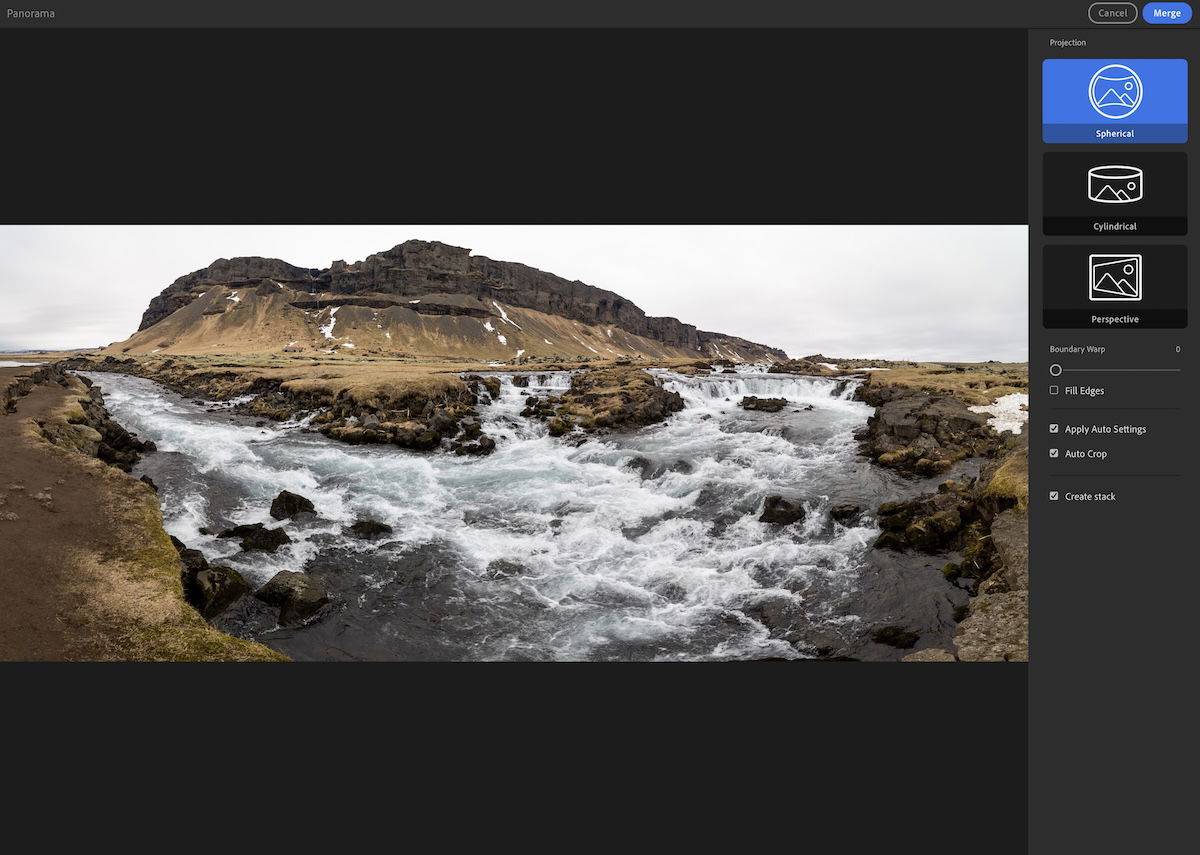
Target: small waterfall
(502,418)
(707,391)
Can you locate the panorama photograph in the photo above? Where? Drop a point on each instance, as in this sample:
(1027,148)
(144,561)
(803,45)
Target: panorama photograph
(514,443)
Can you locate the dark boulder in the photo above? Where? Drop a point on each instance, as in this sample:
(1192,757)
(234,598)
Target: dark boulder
(288,505)
(417,440)
(763,405)
(209,589)
(645,467)
(845,513)
(368,529)
(780,511)
(483,447)
(500,569)
(257,537)
(895,636)
(471,429)
(298,596)
(214,589)
(934,524)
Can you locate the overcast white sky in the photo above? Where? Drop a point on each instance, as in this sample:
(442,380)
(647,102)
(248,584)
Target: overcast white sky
(917,292)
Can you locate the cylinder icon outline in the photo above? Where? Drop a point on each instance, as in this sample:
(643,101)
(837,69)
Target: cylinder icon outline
(1116,184)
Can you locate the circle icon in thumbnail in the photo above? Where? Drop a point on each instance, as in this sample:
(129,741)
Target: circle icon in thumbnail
(1115,91)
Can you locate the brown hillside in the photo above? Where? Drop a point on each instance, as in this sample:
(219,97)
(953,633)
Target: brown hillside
(425,300)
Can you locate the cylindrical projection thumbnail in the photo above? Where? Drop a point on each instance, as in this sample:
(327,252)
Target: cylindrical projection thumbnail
(1114,185)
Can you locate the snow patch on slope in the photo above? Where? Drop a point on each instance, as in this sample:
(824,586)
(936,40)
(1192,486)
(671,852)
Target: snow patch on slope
(327,330)
(504,314)
(1009,412)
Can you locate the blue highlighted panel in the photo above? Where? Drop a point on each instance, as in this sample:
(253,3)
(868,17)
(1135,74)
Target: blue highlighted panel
(1167,13)
(1114,101)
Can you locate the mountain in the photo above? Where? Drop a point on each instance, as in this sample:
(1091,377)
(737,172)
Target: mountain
(421,298)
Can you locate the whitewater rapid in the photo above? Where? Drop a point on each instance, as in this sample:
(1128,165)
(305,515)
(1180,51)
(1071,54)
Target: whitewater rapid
(644,545)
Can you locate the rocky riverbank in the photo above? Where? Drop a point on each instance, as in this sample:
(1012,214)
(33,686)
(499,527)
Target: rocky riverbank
(409,408)
(918,432)
(89,573)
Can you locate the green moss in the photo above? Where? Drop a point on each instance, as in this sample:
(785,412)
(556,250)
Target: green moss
(1010,484)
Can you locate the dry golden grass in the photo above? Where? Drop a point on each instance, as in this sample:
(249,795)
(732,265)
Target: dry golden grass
(976,383)
(125,585)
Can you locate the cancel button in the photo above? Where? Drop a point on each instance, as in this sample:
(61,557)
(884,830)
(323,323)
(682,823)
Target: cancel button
(1112,13)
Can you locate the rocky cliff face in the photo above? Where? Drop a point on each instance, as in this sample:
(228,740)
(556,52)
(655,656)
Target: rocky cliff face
(416,269)
(223,271)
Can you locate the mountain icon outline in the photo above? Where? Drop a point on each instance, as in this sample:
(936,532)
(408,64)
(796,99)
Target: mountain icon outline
(1115,286)
(1112,99)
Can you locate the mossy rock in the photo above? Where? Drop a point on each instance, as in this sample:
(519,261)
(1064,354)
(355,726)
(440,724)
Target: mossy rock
(891,540)
(946,523)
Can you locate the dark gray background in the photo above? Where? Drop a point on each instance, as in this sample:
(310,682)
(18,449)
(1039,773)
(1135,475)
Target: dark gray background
(1110,614)
(944,14)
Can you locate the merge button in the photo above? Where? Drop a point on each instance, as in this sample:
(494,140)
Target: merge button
(1113,13)
(1167,13)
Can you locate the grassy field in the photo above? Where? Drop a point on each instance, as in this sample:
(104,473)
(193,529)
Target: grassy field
(975,383)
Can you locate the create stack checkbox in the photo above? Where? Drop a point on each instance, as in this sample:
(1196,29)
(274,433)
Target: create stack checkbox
(1054,495)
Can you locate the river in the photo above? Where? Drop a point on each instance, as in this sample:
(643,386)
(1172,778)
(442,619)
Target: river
(637,546)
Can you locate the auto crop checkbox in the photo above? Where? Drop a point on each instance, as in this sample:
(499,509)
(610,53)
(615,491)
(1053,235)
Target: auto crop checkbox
(1054,495)
(1054,452)
(1053,390)
(1053,428)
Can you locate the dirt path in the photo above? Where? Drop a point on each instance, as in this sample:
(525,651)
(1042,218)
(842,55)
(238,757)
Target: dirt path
(86,571)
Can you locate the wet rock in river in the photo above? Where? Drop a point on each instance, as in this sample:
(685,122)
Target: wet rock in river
(845,513)
(501,568)
(938,523)
(368,529)
(471,429)
(606,398)
(209,589)
(763,405)
(257,537)
(288,505)
(214,589)
(895,636)
(483,447)
(298,596)
(491,384)
(780,511)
